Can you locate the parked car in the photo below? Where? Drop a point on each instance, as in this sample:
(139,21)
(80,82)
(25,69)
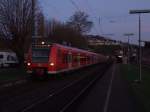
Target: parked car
(8,59)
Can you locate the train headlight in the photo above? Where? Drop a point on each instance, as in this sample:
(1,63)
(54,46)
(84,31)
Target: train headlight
(51,64)
(28,64)
(42,42)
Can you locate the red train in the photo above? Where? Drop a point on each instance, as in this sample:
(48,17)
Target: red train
(56,58)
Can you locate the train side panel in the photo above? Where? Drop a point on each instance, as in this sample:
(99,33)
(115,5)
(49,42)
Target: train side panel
(53,65)
(62,58)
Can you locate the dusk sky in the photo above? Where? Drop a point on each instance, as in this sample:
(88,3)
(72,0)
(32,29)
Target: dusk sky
(109,16)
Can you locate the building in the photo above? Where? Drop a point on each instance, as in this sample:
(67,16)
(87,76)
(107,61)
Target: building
(99,40)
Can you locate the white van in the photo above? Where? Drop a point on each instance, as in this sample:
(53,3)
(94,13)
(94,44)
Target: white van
(8,59)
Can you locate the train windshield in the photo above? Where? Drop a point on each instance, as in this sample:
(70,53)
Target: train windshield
(40,55)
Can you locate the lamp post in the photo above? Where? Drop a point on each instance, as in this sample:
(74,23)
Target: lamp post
(139,12)
(128,35)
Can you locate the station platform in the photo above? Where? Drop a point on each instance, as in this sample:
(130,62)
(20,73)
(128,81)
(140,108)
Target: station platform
(111,93)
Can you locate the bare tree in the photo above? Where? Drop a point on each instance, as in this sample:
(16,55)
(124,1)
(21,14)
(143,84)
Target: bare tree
(16,24)
(41,24)
(61,33)
(79,21)
(50,25)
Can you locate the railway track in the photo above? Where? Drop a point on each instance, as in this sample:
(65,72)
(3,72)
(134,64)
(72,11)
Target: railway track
(63,100)
(37,96)
(70,105)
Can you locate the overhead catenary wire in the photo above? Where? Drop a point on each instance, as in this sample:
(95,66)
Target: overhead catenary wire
(111,19)
(54,8)
(79,9)
(91,10)
(100,24)
(75,5)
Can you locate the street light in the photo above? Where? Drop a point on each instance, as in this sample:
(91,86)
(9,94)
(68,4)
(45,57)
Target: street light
(139,12)
(128,35)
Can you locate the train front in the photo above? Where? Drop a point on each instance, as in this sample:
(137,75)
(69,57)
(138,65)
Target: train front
(38,59)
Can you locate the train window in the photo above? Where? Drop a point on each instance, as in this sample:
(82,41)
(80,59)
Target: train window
(75,59)
(92,58)
(40,55)
(69,58)
(59,52)
(78,58)
(88,58)
(65,58)
(82,58)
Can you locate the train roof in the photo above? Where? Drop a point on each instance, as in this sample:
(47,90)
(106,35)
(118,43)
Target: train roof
(74,49)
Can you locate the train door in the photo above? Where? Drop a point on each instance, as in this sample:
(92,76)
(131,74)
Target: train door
(78,59)
(59,59)
(86,59)
(69,59)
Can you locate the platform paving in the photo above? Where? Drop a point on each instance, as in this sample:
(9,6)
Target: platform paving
(111,93)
